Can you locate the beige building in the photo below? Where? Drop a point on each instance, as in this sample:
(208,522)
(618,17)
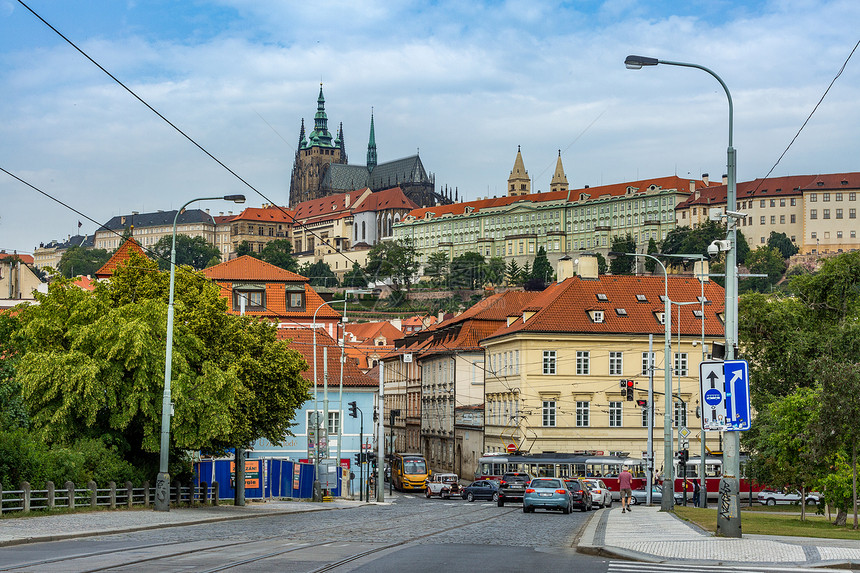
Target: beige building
(553,377)
(519,183)
(148,228)
(50,254)
(18,282)
(830,214)
(258,226)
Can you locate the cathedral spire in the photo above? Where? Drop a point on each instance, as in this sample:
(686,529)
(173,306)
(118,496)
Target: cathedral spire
(320,135)
(559,179)
(518,181)
(371,145)
(302,141)
(340,143)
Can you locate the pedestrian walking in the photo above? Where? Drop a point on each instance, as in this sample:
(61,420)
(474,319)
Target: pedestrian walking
(697,492)
(625,485)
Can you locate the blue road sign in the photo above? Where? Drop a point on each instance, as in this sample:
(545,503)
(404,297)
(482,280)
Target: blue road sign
(724,387)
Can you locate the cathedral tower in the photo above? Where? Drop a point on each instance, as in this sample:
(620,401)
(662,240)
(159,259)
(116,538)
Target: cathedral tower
(519,182)
(559,179)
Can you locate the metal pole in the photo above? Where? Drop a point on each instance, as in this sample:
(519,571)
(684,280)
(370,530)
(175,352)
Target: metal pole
(325,404)
(380,438)
(340,417)
(649,411)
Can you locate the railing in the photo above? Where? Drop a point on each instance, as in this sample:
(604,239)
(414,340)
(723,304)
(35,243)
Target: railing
(27,499)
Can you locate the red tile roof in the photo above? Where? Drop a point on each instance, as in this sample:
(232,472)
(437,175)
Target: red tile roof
(565,307)
(328,206)
(85,283)
(301,339)
(26,259)
(121,255)
(249,268)
(370,330)
(388,199)
(266,214)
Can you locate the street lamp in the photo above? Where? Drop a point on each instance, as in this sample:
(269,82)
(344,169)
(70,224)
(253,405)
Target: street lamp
(162,484)
(728,521)
(317,492)
(668,500)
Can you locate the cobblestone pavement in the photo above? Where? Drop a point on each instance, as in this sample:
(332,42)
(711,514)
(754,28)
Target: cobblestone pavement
(647,534)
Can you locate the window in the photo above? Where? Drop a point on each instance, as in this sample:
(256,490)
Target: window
(680,364)
(680,415)
(813,197)
(826,213)
(762,219)
(616,364)
(813,214)
(782,202)
(825,196)
(254,299)
(773,202)
(852,213)
(793,202)
(646,363)
(583,362)
(762,204)
(548,413)
(793,218)
(644,417)
(852,196)
(549,361)
(297,300)
(838,213)
(615,414)
(782,219)
(582,414)
(773,219)
(814,235)
(839,196)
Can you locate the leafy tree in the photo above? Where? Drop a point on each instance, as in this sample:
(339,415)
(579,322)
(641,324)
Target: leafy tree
(80,261)
(601,264)
(280,253)
(244,248)
(695,240)
(541,267)
(513,273)
(467,271)
(526,273)
(766,260)
(355,278)
(651,264)
(437,268)
(319,274)
(195,252)
(781,242)
(623,264)
(494,272)
(394,260)
(838,488)
(13,413)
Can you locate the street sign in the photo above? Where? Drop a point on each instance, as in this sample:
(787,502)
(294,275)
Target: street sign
(725,396)
(684,433)
(511,448)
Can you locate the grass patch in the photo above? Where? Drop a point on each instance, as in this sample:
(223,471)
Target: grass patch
(758,523)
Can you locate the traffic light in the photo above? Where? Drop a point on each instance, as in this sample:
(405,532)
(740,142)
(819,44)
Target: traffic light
(683,456)
(630,389)
(353,409)
(358,459)
(623,388)
(642,403)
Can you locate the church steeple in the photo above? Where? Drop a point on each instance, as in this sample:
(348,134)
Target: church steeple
(303,142)
(559,179)
(339,143)
(518,181)
(371,146)
(320,136)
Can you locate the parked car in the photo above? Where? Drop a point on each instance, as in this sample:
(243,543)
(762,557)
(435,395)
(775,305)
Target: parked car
(773,497)
(548,493)
(601,494)
(640,496)
(443,485)
(512,487)
(579,495)
(481,489)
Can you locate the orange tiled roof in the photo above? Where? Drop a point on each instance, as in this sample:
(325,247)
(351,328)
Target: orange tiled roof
(267,214)
(324,206)
(370,330)
(85,283)
(388,199)
(565,307)
(26,259)
(121,255)
(248,268)
(302,340)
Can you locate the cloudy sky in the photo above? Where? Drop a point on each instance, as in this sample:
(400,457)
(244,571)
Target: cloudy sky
(463,82)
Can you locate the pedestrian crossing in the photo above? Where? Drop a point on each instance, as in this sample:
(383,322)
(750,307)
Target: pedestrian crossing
(639,567)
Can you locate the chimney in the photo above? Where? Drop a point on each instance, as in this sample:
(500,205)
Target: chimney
(725,179)
(396,323)
(700,271)
(564,269)
(220,213)
(346,200)
(692,185)
(705,178)
(207,211)
(587,266)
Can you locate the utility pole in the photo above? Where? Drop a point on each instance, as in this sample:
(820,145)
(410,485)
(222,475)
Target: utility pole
(380,438)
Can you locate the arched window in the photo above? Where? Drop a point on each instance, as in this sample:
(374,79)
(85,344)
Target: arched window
(363,231)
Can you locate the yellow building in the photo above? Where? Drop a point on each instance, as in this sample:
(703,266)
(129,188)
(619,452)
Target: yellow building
(553,375)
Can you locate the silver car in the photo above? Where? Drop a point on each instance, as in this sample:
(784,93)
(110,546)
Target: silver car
(601,495)
(640,496)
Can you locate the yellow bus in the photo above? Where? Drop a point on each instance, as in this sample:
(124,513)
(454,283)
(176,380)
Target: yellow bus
(409,472)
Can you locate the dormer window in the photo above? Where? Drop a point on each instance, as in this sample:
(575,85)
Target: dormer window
(661,317)
(641,298)
(621,311)
(602,297)
(597,316)
(254,297)
(703,299)
(698,313)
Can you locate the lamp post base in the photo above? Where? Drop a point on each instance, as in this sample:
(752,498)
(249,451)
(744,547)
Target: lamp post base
(728,508)
(162,492)
(317,491)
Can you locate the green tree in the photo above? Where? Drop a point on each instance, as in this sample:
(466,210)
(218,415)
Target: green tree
(355,278)
(319,274)
(245,248)
(513,273)
(195,252)
(695,240)
(77,261)
(541,269)
(651,264)
(601,264)
(623,264)
(394,260)
(781,242)
(494,272)
(280,253)
(437,268)
(767,261)
(467,271)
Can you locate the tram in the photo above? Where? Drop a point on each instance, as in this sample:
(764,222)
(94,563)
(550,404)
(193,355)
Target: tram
(713,470)
(494,465)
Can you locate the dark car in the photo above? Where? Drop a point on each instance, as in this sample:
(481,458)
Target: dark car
(580,496)
(481,489)
(512,487)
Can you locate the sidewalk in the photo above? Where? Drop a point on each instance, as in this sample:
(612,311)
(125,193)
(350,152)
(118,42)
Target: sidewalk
(90,523)
(647,534)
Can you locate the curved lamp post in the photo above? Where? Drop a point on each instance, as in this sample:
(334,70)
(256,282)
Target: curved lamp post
(729,521)
(162,485)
